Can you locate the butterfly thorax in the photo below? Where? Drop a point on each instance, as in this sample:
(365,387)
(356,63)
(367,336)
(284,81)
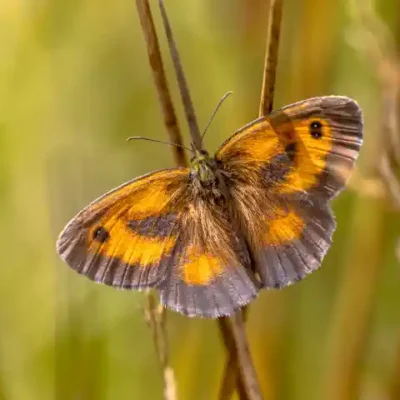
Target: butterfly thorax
(203,171)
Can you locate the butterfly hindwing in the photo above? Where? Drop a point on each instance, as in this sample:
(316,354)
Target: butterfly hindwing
(295,239)
(288,234)
(211,276)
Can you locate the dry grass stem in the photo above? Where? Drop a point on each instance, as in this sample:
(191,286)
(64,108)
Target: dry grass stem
(232,379)
(245,362)
(155,314)
(183,86)
(238,334)
(271,57)
(266,106)
(160,80)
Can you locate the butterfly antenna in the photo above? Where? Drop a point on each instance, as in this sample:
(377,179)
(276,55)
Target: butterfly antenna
(224,97)
(159,141)
(183,86)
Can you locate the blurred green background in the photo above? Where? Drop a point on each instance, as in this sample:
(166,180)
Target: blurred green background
(75,82)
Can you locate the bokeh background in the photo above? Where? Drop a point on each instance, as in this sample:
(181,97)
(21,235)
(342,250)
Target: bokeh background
(74,84)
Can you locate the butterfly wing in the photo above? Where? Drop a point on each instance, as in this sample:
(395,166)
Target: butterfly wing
(310,146)
(322,136)
(211,277)
(126,237)
(281,171)
(289,237)
(153,233)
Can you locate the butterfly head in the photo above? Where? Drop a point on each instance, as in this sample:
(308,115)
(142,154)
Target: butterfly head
(202,167)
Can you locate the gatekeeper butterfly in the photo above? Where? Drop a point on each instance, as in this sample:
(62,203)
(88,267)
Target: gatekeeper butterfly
(209,237)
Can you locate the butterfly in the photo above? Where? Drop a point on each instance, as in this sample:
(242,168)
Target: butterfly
(210,237)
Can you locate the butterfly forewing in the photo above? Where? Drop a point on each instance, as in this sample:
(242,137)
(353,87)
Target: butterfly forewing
(322,136)
(126,238)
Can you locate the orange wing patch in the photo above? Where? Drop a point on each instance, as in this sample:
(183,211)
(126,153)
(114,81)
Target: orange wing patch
(114,239)
(151,193)
(283,228)
(113,236)
(200,268)
(323,136)
(310,155)
(255,143)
